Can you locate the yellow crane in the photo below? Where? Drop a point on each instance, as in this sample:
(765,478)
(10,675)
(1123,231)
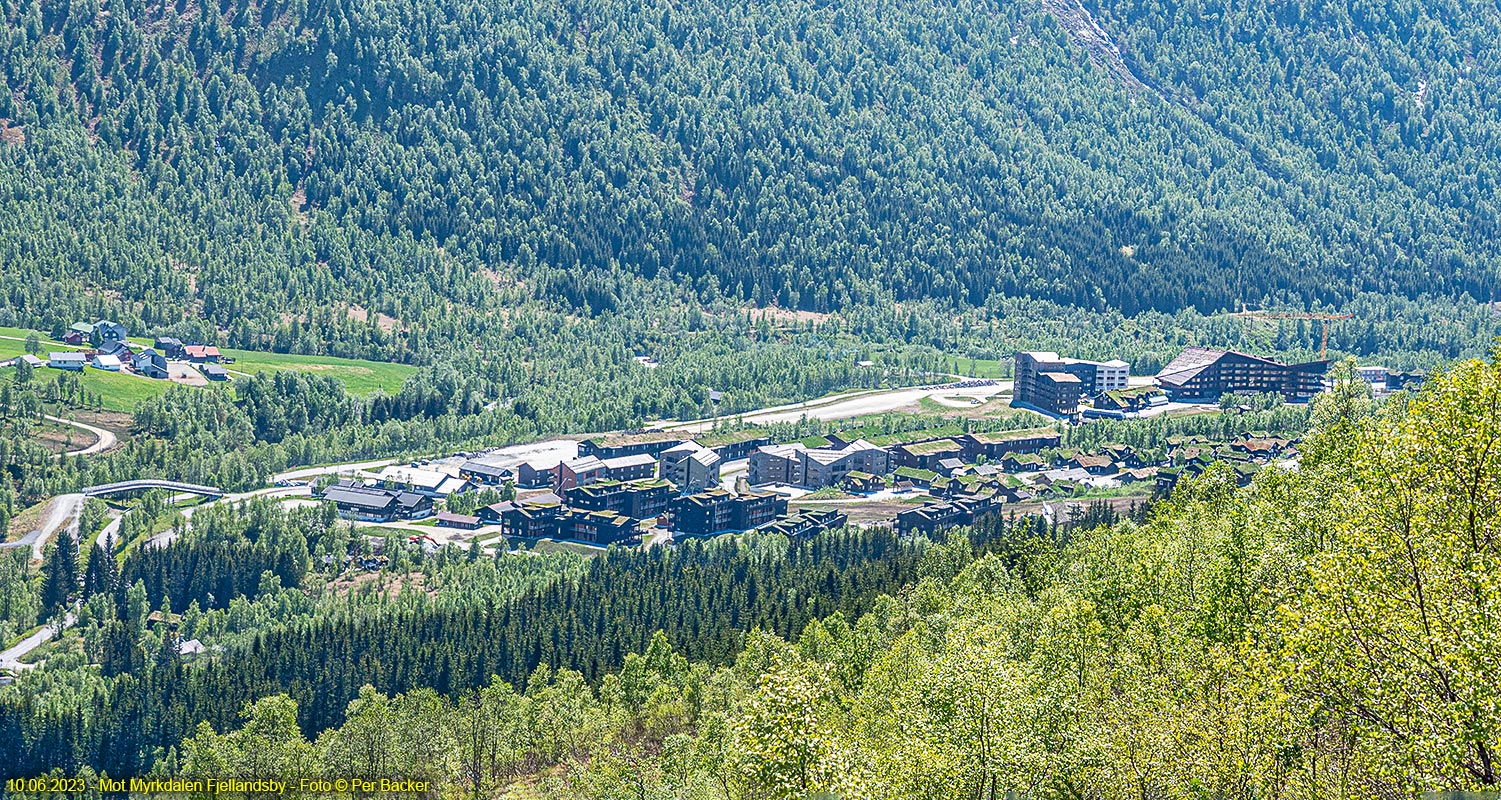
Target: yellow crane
(1321,317)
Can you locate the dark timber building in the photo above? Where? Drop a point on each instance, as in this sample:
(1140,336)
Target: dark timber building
(1204,373)
(1054,384)
(718,511)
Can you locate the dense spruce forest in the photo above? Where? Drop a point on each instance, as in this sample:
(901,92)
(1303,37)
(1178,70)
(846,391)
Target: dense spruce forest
(588,215)
(1326,631)
(418,177)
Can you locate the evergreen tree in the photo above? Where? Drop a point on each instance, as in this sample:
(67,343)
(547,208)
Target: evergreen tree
(60,573)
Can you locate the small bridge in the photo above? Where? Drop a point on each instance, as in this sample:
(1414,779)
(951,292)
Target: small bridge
(126,487)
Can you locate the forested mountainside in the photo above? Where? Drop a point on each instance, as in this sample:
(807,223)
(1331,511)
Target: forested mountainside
(1327,631)
(374,176)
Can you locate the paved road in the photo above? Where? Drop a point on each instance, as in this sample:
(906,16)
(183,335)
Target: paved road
(106,439)
(111,529)
(308,473)
(843,406)
(168,536)
(11,659)
(63,509)
(860,403)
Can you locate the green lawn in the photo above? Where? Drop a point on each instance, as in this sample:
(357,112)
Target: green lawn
(22,333)
(359,377)
(10,348)
(121,391)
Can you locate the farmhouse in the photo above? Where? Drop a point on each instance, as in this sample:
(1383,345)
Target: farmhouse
(169,346)
(73,362)
(150,364)
(106,363)
(214,372)
(200,353)
(115,347)
(106,331)
(78,334)
(1094,465)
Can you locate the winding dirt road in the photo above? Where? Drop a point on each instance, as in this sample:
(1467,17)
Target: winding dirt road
(106,439)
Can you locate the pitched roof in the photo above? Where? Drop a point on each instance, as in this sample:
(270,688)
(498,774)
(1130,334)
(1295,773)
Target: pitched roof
(932,448)
(409,499)
(999,437)
(638,460)
(825,456)
(1194,360)
(480,468)
(359,497)
(67,358)
(782,450)
(585,464)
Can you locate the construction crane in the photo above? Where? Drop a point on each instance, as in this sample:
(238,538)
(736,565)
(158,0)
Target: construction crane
(1318,316)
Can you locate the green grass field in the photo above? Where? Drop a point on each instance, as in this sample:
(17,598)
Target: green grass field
(359,377)
(12,345)
(122,391)
(22,333)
